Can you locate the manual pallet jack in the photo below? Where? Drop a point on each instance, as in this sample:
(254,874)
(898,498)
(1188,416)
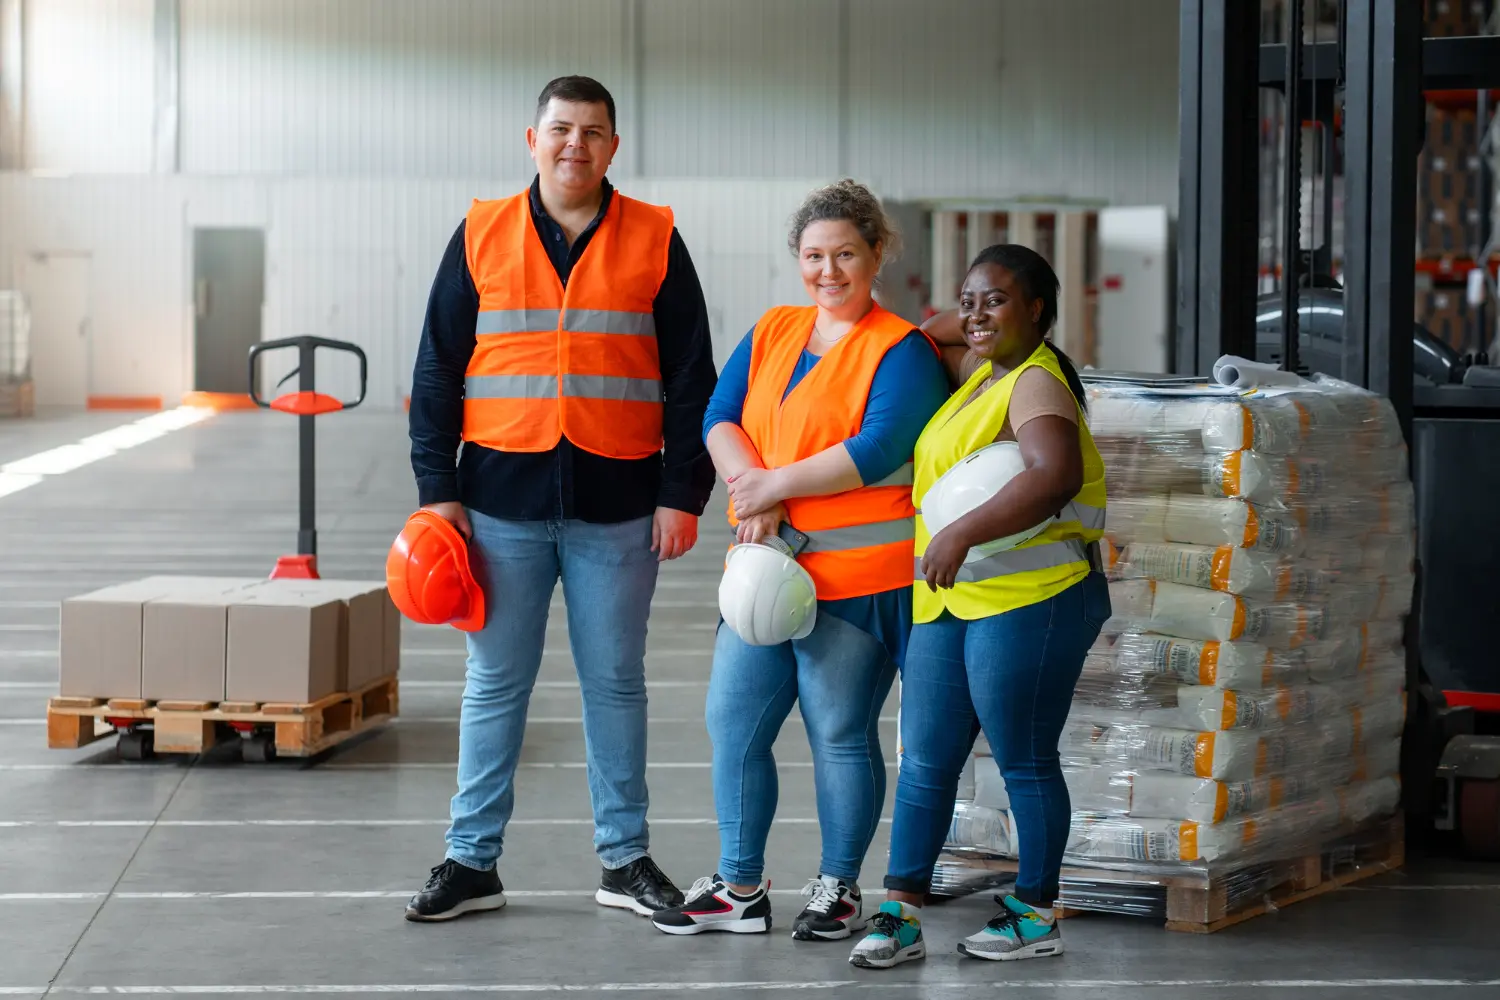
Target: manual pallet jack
(137,742)
(307,404)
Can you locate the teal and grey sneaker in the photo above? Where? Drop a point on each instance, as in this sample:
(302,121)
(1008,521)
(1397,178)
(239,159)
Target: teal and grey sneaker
(1017,931)
(895,937)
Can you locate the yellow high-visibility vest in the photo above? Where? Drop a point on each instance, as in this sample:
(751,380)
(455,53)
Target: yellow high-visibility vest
(1040,567)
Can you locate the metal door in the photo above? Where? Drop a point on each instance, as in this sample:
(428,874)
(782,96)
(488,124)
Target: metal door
(229,278)
(57,291)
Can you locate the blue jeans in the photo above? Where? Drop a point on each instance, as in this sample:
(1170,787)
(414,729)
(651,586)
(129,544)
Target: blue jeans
(841,676)
(1011,675)
(608,575)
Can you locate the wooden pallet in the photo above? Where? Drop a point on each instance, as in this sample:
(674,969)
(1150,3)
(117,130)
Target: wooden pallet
(1203,903)
(301,730)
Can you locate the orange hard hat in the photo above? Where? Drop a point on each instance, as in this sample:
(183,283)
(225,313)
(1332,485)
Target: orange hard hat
(428,576)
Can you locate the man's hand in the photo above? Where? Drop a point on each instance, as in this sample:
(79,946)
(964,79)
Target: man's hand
(754,491)
(673,533)
(944,558)
(757,526)
(453,512)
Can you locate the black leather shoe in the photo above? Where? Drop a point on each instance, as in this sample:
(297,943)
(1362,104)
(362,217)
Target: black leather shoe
(454,890)
(640,886)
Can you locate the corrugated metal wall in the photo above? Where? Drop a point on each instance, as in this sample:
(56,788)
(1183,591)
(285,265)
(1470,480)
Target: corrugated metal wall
(356,131)
(87,78)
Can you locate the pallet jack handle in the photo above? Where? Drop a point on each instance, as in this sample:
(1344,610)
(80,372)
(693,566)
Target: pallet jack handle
(307,404)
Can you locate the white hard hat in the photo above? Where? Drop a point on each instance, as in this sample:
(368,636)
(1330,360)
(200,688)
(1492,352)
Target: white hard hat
(765,596)
(970,483)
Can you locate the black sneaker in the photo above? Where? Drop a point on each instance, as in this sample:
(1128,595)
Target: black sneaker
(711,906)
(833,913)
(454,890)
(639,886)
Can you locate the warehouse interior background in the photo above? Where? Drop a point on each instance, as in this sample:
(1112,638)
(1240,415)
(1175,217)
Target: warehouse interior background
(350,135)
(181,180)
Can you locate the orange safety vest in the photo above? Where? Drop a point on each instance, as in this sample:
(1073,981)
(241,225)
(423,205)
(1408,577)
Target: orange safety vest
(580,361)
(862,540)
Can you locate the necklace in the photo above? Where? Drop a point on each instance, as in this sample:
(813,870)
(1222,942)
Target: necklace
(818,332)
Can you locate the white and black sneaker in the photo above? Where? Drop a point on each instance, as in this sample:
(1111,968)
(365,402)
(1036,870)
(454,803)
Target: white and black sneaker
(833,912)
(639,886)
(712,906)
(453,890)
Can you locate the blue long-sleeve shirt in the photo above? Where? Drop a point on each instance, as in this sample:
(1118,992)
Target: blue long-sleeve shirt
(908,388)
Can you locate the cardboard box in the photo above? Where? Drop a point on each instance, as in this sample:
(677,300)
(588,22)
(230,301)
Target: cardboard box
(185,639)
(393,620)
(284,643)
(101,636)
(1446,18)
(364,632)
(99,641)
(1445,313)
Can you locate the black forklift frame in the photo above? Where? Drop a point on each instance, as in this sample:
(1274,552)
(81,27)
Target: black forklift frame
(1375,74)
(1380,65)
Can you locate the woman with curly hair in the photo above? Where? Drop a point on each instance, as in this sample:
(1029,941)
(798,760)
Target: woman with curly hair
(813,424)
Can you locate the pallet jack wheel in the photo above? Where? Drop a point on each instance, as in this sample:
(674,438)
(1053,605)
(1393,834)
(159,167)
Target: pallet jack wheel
(136,744)
(1479,818)
(259,748)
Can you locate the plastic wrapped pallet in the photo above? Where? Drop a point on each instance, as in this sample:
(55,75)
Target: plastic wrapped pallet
(1245,702)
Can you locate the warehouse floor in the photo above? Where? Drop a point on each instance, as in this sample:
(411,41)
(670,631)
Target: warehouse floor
(291,877)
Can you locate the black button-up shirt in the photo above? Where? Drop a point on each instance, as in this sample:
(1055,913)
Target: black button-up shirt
(566,482)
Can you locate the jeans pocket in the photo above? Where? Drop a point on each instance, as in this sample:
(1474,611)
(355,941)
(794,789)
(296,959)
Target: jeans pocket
(1097,607)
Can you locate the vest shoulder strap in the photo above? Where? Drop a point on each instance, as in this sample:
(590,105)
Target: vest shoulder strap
(490,222)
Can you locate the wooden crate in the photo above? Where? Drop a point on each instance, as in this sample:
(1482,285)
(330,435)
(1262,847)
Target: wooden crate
(1202,903)
(300,730)
(17,398)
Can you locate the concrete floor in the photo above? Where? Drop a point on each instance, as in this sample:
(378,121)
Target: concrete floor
(212,876)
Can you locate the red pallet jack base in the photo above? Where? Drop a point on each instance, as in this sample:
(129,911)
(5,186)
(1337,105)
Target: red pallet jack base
(296,568)
(1479,701)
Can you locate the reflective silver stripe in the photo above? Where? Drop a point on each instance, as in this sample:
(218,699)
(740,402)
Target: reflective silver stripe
(516,321)
(609,321)
(510,387)
(901,477)
(861,536)
(616,387)
(1092,518)
(1047,556)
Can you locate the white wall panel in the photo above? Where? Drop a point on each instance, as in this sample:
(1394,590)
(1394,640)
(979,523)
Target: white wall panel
(735,89)
(925,108)
(437,88)
(88,77)
(1088,99)
(1073,98)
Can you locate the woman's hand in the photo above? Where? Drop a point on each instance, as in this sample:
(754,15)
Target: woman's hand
(757,526)
(755,491)
(944,558)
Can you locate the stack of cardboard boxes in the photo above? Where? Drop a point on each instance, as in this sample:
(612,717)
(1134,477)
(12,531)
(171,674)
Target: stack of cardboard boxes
(1450,18)
(1448,204)
(1448,208)
(217,639)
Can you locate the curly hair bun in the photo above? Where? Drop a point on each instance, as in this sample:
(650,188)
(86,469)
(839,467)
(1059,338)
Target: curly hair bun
(847,201)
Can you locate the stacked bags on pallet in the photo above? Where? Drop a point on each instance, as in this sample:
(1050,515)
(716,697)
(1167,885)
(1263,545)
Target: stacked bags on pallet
(1245,702)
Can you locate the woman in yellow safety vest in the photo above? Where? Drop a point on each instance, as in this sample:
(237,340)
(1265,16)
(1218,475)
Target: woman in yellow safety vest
(998,642)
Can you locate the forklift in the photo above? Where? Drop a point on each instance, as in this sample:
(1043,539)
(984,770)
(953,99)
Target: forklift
(1360,84)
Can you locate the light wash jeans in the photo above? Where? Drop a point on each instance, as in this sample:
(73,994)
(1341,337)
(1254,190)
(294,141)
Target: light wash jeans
(840,675)
(609,575)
